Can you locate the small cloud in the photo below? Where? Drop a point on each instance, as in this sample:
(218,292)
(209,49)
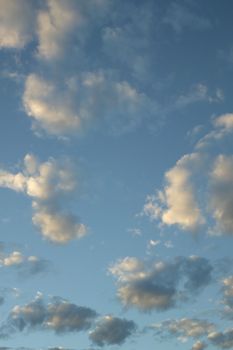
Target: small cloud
(112,331)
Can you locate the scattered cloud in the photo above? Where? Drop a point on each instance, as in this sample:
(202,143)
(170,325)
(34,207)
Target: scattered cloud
(47,184)
(112,330)
(161,285)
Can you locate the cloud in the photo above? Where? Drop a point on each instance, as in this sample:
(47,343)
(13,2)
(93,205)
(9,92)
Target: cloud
(16,23)
(91,97)
(161,285)
(190,202)
(181,17)
(198,93)
(185,328)
(112,330)
(223,340)
(26,266)
(228,296)
(58,315)
(47,184)
(222,126)
(199,345)
(51,109)
(221,194)
(54,27)
(177,204)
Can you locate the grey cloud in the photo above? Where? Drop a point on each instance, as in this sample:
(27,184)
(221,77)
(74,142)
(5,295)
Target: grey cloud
(161,285)
(227,300)
(221,194)
(185,328)
(58,315)
(223,340)
(112,330)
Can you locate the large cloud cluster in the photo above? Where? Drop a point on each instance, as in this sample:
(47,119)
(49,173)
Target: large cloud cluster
(47,184)
(161,285)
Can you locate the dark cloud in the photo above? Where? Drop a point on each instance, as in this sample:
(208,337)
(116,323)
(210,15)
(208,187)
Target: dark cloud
(112,330)
(162,284)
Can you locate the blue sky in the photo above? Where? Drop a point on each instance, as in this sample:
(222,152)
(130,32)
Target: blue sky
(116,174)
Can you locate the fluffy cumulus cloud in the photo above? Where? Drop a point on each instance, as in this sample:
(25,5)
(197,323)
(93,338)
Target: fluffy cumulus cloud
(161,285)
(16,23)
(47,184)
(177,204)
(58,315)
(222,340)
(221,195)
(91,97)
(185,328)
(112,330)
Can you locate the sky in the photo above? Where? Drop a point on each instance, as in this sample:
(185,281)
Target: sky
(116,174)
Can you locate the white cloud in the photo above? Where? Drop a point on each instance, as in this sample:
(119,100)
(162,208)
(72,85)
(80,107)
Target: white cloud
(55,25)
(51,109)
(16,23)
(15,258)
(47,183)
(177,204)
(91,97)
